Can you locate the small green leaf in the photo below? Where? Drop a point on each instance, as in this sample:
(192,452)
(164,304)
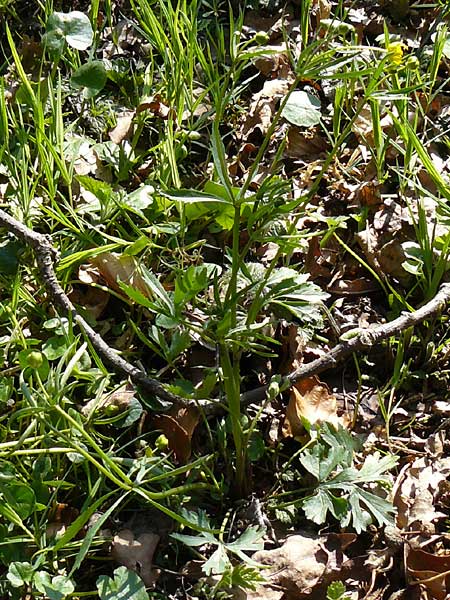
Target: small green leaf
(141,198)
(72,27)
(249,541)
(336,591)
(55,588)
(90,77)
(302,109)
(317,506)
(54,347)
(256,447)
(9,256)
(126,585)
(20,498)
(217,562)
(101,190)
(133,413)
(20,573)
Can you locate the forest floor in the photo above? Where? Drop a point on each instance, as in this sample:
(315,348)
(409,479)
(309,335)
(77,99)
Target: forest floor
(224,340)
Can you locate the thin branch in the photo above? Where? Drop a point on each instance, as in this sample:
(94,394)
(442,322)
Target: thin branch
(361,342)
(46,255)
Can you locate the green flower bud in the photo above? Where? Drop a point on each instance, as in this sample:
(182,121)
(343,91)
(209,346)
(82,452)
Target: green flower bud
(161,442)
(35,359)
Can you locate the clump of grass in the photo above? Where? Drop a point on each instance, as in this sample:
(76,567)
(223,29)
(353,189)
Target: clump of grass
(202,290)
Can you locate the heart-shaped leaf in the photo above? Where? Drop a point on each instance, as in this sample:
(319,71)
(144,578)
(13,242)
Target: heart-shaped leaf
(73,28)
(90,77)
(302,109)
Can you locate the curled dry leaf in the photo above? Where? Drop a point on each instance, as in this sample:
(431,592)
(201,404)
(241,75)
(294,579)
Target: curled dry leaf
(136,553)
(416,492)
(119,267)
(178,426)
(431,571)
(302,564)
(120,398)
(263,107)
(123,128)
(310,399)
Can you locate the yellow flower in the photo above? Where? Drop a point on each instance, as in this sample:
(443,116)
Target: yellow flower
(395,52)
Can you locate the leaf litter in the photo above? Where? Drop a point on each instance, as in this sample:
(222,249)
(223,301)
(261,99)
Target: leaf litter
(346,483)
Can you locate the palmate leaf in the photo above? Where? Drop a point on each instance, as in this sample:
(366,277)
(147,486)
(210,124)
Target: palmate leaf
(250,540)
(317,506)
(321,461)
(354,505)
(125,585)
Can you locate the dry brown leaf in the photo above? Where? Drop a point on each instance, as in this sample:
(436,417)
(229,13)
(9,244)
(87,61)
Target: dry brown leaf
(92,299)
(136,553)
(352,287)
(363,125)
(85,161)
(114,267)
(308,143)
(431,571)
(310,399)
(156,106)
(275,64)
(416,492)
(120,398)
(124,127)
(263,107)
(61,516)
(300,565)
(178,426)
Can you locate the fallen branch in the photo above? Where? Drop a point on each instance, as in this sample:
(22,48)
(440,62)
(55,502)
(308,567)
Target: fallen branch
(46,255)
(364,340)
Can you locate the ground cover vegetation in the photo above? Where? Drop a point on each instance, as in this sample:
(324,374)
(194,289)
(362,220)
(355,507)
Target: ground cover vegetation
(224,346)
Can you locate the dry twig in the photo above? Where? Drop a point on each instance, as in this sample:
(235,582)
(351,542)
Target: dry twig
(46,254)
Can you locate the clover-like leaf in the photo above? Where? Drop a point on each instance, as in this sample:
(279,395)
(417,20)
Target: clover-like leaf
(302,109)
(126,585)
(73,28)
(90,77)
(54,588)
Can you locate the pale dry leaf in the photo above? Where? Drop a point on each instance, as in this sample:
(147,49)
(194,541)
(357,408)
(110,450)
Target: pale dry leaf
(300,565)
(391,256)
(114,267)
(416,492)
(310,399)
(363,125)
(263,107)
(79,152)
(275,63)
(120,398)
(136,553)
(124,127)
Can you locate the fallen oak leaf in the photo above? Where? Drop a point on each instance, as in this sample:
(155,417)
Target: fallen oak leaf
(136,553)
(430,571)
(312,401)
(178,426)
